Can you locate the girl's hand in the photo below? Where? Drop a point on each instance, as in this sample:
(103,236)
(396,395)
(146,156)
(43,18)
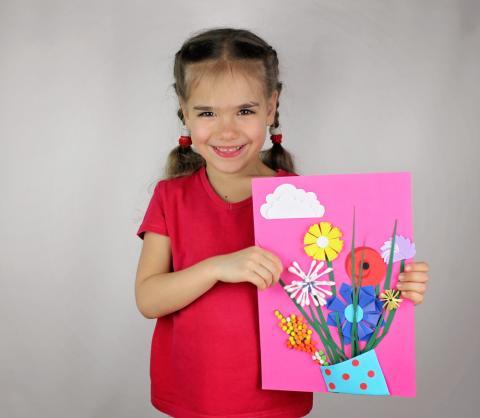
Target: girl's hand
(413,282)
(253,264)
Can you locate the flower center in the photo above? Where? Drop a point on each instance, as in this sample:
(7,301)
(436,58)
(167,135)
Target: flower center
(322,242)
(349,313)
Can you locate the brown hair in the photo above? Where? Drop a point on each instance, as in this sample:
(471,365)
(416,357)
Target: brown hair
(217,50)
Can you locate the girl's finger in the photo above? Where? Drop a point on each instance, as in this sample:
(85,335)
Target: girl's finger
(417,266)
(413,276)
(273,258)
(264,273)
(272,267)
(257,280)
(415,297)
(278,267)
(412,287)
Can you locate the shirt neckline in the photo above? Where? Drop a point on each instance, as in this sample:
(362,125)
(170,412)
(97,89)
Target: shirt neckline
(218,200)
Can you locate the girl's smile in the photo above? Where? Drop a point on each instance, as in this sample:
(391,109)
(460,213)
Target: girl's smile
(230,151)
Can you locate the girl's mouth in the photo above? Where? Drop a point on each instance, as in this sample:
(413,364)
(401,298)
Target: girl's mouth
(229,152)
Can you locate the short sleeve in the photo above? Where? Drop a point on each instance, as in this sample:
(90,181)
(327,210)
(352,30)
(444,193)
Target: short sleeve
(154,218)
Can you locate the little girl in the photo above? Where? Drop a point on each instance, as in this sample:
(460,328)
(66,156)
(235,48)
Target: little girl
(199,270)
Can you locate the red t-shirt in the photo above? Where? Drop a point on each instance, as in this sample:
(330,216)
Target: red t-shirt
(205,358)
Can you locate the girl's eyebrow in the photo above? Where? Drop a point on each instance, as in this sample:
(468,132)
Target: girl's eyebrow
(243,106)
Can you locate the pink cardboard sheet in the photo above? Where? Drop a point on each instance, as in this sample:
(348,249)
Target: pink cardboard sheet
(308,221)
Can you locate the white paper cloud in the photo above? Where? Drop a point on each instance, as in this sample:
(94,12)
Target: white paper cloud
(289,202)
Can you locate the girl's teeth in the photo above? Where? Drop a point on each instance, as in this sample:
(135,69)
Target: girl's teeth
(229,149)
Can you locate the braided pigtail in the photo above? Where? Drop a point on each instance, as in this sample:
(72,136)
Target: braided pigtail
(277,157)
(183,160)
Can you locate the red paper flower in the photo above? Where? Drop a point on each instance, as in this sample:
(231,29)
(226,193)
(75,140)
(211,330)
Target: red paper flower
(374,268)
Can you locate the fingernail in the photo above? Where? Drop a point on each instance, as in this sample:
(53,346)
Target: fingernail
(400,286)
(408,267)
(401,276)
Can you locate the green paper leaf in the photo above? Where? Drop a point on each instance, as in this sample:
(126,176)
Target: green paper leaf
(373,342)
(329,344)
(390,259)
(337,316)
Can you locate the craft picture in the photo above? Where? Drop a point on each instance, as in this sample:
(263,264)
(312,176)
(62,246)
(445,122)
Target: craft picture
(335,322)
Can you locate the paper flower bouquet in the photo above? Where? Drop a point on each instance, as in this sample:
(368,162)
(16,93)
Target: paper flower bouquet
(335,304)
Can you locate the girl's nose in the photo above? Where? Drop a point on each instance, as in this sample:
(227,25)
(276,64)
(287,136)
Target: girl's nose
(227,129)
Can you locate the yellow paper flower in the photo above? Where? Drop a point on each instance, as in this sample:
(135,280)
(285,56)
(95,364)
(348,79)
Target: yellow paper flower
(391,299)
(322,241)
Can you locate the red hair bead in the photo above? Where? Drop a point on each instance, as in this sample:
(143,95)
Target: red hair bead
(276,139)
(185,141)
(276,134)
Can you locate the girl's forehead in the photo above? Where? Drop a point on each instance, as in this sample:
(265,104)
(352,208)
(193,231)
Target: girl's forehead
(225,90)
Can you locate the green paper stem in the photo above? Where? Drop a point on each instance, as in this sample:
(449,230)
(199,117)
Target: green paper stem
(352,260)
(340,335)
(325,341)
(331,276)
(373,342)
(327,332)
(390,259)
(313,323)
(353,339)
(389,321)
(299,307)
(337,316)
(356,291)
(329,354)
(375,333)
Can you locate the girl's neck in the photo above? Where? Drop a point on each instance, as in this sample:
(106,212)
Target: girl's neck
(235,187)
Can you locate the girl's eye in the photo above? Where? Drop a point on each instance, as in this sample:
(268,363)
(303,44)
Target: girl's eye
(204,114)
(248,110)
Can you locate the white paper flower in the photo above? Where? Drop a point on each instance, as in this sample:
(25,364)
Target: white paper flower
(310,286)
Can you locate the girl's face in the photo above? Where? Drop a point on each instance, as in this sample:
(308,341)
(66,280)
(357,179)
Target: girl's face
(228,120)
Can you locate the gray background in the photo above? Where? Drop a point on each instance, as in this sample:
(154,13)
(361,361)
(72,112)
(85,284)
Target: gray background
(87,117)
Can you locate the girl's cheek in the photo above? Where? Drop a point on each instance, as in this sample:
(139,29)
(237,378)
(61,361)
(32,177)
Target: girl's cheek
(201,133)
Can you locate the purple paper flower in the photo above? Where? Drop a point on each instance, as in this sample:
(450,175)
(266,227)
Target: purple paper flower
(403,250)
(368,312)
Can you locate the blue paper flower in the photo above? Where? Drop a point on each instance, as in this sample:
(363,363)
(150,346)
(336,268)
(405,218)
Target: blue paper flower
(369,309)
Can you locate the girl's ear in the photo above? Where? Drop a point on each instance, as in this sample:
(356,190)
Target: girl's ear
(272,107)
(184,108)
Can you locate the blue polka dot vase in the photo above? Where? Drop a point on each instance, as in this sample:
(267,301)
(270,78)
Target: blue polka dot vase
(360,375)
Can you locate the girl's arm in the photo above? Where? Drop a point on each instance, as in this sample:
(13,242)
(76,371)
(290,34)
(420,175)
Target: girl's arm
(158,291)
